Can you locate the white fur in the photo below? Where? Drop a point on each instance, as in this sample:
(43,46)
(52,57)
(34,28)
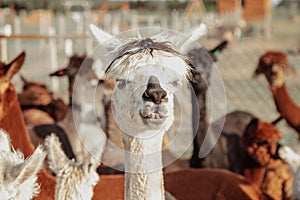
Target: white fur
(73,180)
(137,76)
(103,37)
(4,141)
(18,176)
(194,36)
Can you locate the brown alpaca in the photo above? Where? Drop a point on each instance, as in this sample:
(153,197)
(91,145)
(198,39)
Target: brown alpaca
(39,105)
(210,184)
(274,65)
(11,120)
(262,164)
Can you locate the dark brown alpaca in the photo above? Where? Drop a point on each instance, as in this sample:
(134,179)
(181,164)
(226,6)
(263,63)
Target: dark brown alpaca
(36,96)
(274,65)
(39,106)
(261,162)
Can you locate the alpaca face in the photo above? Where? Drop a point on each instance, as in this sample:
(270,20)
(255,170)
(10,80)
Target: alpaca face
(154,65)
(275,75)
(260,140)
(143,95)
(274,66)
(78,65)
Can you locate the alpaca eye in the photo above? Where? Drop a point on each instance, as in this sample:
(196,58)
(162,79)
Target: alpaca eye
(262,143)
(175,83)
(121,83)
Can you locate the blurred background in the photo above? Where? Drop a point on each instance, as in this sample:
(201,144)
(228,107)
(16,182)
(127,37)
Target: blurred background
(52,31)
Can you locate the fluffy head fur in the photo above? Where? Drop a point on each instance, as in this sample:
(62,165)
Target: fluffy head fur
(18,176)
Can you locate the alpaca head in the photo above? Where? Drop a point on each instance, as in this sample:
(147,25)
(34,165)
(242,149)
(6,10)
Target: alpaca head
(260,141)
(274,65)
(73,180)
(147,72)
(78,65)
(34,94)
(18,176)
(7,71)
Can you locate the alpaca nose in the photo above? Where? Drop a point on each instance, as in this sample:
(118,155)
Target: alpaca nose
(154,92)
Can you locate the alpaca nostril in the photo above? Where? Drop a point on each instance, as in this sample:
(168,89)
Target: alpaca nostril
(154,92)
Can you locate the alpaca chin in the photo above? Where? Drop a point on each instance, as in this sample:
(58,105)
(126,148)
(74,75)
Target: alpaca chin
(276,82)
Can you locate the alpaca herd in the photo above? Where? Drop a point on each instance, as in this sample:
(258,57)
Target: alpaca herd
(141,82)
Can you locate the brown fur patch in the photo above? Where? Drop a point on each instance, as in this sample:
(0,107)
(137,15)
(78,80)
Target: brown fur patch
(262,165)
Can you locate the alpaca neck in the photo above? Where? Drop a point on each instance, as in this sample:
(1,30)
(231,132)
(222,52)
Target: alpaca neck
(12,121)
(143,165)
(285,105)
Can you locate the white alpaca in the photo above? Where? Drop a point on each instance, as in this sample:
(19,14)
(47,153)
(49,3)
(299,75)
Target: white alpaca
(18,176)
(73,180)
(147,73)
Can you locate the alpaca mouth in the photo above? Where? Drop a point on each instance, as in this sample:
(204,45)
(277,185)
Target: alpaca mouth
(156,117)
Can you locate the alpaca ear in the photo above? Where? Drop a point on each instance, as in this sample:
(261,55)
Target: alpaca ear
(94,158)
(257,72)
(23,79)
(103,37)
(14,66)
(28,169)
(4,141)
(193,36)
(56,156)
(25,82)
(251,129)
(99,34)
